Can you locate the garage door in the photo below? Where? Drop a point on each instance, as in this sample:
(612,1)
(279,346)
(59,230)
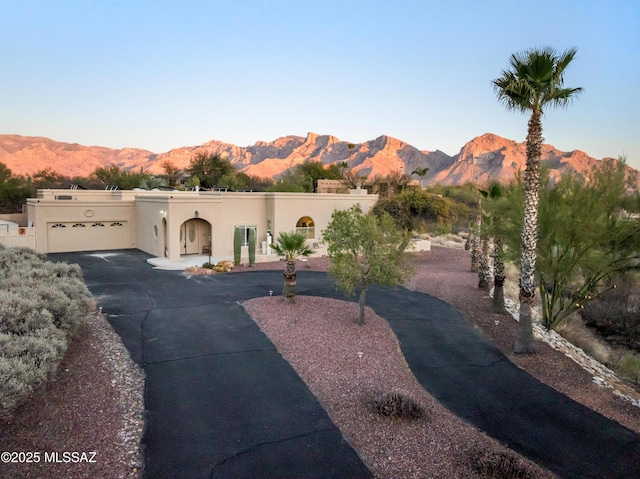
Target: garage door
(63,237)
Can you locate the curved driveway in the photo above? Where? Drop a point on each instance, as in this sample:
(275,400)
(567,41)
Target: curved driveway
(222,402)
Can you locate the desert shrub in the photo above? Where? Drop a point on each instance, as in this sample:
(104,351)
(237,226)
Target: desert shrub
(42,305)
(19,262)
(398,404)
(629,367)
(415,209)
(501,465)
(616,313)
(21,314)
(208,266)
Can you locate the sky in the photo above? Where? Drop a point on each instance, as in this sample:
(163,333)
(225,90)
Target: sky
(160,75)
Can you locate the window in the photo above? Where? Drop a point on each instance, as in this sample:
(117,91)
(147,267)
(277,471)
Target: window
(116,224)
(306,226)
(79,225)
(245,233)
(58,225)
(97,225)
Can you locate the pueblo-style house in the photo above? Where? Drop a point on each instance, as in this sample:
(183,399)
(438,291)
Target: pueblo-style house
(172,224)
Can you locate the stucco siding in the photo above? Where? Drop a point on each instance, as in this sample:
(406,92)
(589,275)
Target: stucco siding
(171,224)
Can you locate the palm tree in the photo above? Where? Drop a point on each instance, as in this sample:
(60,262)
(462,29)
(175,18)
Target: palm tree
(492,222)
(291,246)
(351,146)
(533,82)
(421,172)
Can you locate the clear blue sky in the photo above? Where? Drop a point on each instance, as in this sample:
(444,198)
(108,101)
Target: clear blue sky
(164,74)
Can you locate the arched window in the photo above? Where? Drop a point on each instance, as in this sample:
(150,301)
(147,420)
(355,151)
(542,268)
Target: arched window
(306,226)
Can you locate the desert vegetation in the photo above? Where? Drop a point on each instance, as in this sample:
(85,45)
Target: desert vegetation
(291,246)
(42,305)
(366,249)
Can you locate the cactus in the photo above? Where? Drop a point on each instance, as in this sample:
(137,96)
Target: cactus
(252,247)
(237,246)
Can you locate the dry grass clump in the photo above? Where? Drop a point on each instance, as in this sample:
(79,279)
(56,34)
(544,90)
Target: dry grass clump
(501,465)
(574,330)
(398,404)
(42,305)
(450,240)
(616,313)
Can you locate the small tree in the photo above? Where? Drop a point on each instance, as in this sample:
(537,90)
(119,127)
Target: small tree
(209,168)
(124,179)
(584,242)
(292,246)
(14,190)
(171,172)
(365,249)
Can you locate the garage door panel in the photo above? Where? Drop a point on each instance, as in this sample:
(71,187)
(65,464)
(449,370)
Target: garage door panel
(97,235)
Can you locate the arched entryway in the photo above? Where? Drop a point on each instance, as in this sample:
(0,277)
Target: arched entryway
(195,236)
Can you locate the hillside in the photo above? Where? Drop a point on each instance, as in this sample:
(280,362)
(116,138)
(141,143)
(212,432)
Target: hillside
(484,158)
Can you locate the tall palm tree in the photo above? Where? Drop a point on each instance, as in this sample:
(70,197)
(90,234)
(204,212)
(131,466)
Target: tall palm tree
(533,82)
(292,246)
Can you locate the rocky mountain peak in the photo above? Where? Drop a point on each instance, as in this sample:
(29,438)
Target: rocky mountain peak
(485,158)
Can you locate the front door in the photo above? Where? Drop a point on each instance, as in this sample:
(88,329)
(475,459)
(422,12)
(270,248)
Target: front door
(194,236)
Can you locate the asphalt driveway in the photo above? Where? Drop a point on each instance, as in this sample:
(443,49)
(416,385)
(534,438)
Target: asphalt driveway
(222,402)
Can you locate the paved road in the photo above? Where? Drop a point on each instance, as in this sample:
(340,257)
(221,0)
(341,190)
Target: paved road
(223,403)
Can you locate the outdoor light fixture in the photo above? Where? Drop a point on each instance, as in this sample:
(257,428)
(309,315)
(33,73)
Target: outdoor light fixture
(196,213)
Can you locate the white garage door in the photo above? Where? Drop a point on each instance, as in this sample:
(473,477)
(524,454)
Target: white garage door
(89,236)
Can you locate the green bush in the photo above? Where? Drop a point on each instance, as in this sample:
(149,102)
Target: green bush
(413,209)
(42,305)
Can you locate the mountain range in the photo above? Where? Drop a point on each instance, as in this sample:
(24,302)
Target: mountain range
(484,158)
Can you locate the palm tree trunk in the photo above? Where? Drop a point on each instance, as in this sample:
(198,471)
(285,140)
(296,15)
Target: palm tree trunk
(363,293)
(290,290)
(525,342)
(483,271)
(476,246)
(498,276)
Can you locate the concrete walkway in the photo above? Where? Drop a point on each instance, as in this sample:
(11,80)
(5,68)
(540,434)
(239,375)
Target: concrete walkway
(223,403)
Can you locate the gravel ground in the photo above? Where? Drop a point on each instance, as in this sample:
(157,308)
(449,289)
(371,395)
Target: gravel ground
(94,405)
(347,366)
(95,402)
